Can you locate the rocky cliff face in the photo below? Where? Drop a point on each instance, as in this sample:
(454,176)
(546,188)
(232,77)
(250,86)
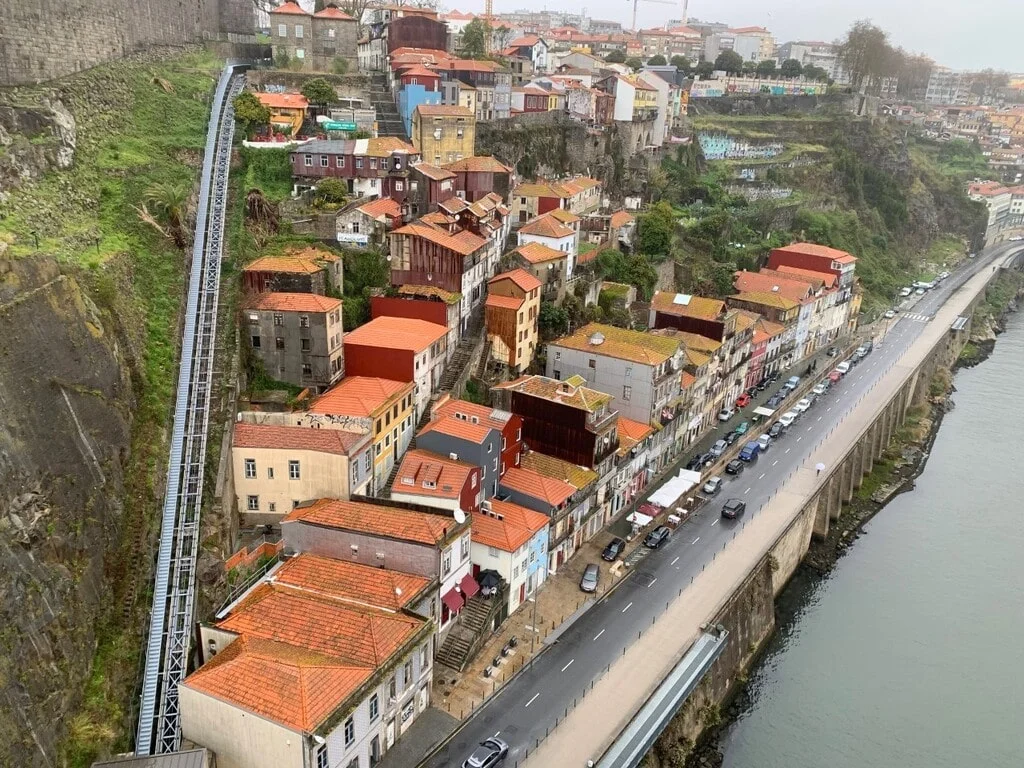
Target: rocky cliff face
(66,402)
(34,140)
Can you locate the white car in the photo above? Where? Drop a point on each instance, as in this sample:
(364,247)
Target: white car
(802,405)
(726,413)
(788,418)
(764,441)
(843,367)
(906,292)
(712,486)
(820,388)
(890,314)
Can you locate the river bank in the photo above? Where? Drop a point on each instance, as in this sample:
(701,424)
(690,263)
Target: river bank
(903,461)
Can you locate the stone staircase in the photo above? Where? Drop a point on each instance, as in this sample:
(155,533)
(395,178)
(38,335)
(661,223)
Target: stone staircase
(463,354)
(485,358)
(389,122)
(472,627)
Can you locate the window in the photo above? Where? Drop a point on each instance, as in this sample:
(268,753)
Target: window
(298,30)
(592,363)
(473,481)
(495,464)
(407,671)
(392,689)
(350,732)
(303,321)
(330,33)
(279,342)
(252,503)
(627,392)
(278,318)
(366,461)
(493,552)
(250,469)
(321,757)
(339,162)
(307,345)
(307,160)
(446,559)
(293,470)
(282,30)
(324,161)
(399,186)
(272,507)
(465,546)
(373,163)
(423,656)
(255,342)
(374,708)
(359,162)
(629,371)
(307,369)
(270,473)
(558,373)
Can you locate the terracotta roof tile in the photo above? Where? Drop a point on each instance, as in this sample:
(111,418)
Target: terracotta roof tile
(507,526)
(558,469)
(570,392)
(828,279)
(753,282)
(408,525)
(766,299)
(384,206)
(283,100)
(620,219)
(478,164)
(396,333)
(686,380)
(463,409)
(520,277)
(448,297)
(332,12)
(288,264)
(546,226)
(271,437)
(360,396)
(463,429)
(425,473)
(814,249)
(290,302)
(537,486)
(685,305)
(621,343)
(564,216)
(443,110)
(463,243)
(362,585)
(538,253)
(503,302)
(290,7)
(418,70)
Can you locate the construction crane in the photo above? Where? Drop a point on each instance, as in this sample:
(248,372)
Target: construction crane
(660,2)
(489,16)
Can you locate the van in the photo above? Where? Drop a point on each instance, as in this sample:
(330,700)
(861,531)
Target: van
(750,451)
(906,292)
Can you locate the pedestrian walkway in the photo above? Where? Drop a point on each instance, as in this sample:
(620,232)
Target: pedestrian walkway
(916,317)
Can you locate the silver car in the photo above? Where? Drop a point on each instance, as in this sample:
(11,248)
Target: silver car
(488,754)
(591,575)
(712,486)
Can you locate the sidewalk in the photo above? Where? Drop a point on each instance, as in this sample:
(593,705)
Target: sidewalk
(611,702)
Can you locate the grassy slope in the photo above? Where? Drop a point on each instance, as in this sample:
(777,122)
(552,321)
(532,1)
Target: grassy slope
(137,124)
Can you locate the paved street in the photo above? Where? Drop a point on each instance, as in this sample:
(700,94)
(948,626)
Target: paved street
(528,706)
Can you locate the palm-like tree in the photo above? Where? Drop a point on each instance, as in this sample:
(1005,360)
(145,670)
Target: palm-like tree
(169,202)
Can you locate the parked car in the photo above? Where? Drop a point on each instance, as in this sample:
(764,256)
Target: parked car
(743,400)
(750,451)
(712,486)
(774,401)
(835,376)
(832,351)
(890,314)
(734,467)
(657,537)
(731,438)
(793,382)
(762,385)
(764,441)
(742,428)
(843,367)
(613,550)
(488,754)
(919,291)
(776,430)
(802,405)
(820,388)
(861,352)
(591,575)
(718,448)
(788,418)
(733,508)
(726,413)
(906,292)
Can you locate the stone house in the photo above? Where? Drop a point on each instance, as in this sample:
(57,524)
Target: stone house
(313,41)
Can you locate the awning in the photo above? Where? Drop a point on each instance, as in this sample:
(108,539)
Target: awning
(453,600)
(469,586)
(639,519)
(762,411)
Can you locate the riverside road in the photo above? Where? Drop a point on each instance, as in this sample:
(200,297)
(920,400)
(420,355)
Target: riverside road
(528,705)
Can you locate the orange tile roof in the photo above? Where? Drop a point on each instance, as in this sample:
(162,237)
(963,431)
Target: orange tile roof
(538,253)
(577,476)
(686,380)
(520,277)
(395,523)
(765,330)
(360,396)
(507,526)
(312,253)
(433,291)
(283,100)
(463,243)
(620,219)
(827,278)
(290,7)
(362,585)
(570,392)
(332,12)
(634,430)
(290,302)
(564,216)
(478,164)
(766,299)
(503,302)
(289,264)
(456,427)
(753,282)
(536,486)
(425,473)
(621,343)
(418,70)
(814,280)
(546,226)
(383,206)
(685,305)
(272,437)
(292,686)
(396,333)
(463,409)
(443,110)
(319,622)
(814,249)
(525,40)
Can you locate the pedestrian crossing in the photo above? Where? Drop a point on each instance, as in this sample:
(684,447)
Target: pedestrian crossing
(916,317)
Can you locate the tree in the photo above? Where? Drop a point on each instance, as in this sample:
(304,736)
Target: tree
(501,37)
(766,68)
(791,68)
(656,61)
(250,112)
(319,92)
(866,55)
(474,39)
(616,57)
(330,192)
(655,227)
(729,61)
(681,63)
(553,321)
(354,8)
(634,63)
(705,68)
(749,67)
(169,202)
(339,66)
(812,72)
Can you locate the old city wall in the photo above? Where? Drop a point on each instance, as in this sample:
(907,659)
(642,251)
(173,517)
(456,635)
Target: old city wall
(46,39)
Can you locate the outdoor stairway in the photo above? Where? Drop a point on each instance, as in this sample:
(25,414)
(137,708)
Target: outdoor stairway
(472,627)
(389,122)
(485,358)
(463,354)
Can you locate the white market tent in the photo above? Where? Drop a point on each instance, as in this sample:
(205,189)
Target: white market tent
(675,487)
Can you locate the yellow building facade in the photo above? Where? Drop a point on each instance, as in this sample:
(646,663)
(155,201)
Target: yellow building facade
(443,133)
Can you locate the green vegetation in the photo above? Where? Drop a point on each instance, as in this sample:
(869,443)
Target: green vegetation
(364,270)
(474,39)
(249,112)
(319,92)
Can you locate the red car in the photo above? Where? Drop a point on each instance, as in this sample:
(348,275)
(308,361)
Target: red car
(743,400)
(835,376)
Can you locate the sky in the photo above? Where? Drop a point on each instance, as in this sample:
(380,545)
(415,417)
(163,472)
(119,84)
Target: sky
(962,34)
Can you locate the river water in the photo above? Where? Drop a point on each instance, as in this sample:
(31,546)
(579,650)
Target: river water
(910,653)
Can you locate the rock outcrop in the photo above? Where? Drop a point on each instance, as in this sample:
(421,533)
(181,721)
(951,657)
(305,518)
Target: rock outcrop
(34,140)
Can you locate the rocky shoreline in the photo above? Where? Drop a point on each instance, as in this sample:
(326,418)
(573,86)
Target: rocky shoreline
(821,558)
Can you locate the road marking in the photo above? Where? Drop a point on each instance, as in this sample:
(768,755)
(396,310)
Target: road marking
(819,419)
(568,665)
(532,700)
(810,428)
(800,438)
(630,605)
(828,409)
(777,461)
(762,476)
(787,450)
(498,733)
(675,561)
(747,491)
(695,541)
(652,582)
(715,522)
(598,634)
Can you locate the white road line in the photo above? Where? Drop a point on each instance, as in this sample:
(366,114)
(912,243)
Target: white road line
(775,462)
(810,428)
(800,438)
(568,665)
(630,605)
(695,541)
(787,450)
(675,561)
(819,419)
(598,634)
(747,491)
(714,522)
(498,733)
(652,582)
(532,699)
(828,409)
